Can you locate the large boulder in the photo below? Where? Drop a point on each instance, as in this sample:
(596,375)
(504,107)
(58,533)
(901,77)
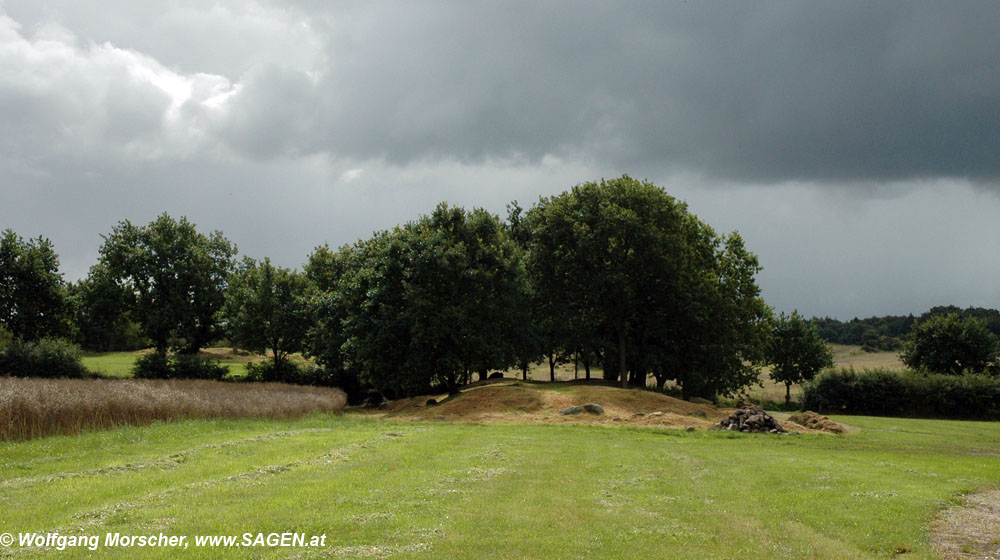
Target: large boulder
(593,408)
(571,410)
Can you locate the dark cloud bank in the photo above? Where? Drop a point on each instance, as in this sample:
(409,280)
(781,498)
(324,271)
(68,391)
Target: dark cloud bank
(289,124)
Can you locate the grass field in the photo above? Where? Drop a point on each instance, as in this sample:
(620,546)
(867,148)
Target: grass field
(441,490)
(119,364)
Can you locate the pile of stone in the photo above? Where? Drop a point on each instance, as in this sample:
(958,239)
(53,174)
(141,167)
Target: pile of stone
(752,419)
(592,408)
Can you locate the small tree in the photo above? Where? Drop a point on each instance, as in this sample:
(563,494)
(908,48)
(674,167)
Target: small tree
(796,352)
(32,291)
(267,309)
(950,344)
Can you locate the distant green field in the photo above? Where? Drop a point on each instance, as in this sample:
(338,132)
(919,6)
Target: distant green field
(437,490)
(110,364)
(119,364)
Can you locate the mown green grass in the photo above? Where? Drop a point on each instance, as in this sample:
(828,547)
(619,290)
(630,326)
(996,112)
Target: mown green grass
(110,364)
(429,490)
(119,364)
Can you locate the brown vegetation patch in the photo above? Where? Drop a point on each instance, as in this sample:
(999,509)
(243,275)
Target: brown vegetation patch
(40,407)
(515,401)
(969,531)
(816,421)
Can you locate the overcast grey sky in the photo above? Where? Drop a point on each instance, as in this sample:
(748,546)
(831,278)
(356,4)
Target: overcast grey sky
(853,144)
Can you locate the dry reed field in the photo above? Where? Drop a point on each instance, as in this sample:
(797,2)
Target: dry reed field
(39,407)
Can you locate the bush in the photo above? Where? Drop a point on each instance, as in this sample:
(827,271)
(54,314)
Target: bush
(47,357)
(891,393)
(186,366)
(159,366)
(152,366)
(290,372)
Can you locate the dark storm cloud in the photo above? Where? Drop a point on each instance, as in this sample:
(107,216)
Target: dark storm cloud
(763,91)
(751,91)
(288,124)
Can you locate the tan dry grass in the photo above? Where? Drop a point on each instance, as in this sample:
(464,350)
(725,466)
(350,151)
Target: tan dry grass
(540,403)
(39,407)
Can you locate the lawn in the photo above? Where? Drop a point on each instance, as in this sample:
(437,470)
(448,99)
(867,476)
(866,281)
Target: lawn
(440,490)
(119,364)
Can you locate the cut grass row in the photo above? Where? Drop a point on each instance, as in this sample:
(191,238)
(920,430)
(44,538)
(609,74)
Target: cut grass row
(421,490)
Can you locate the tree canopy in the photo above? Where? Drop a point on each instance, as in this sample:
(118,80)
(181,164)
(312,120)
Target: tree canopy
(796,352)
(623,268)
(174,278)
(430,301)
(268,308)
(951,344)
(33,301)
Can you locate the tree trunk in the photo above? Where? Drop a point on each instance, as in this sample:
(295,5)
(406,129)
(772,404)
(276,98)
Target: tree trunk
(484,374)
(788,394)
(622,370)
(576,365)
(552,367)
(524,371)
(661,380)
(586,365)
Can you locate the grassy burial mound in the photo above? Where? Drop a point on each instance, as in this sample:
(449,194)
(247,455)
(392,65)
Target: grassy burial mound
(516,401)
(39,407)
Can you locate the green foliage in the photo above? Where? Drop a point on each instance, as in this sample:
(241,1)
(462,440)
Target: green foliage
(46,357)
(951,344)
(622,270)
(796,352)
(174,279)
(292,372)
(424,303)
(101,314)
(890,331)
(182,366)
(267,308)
(6,338)
(893,393)
(32,291)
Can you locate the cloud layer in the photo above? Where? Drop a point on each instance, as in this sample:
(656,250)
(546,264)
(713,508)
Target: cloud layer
(288,124)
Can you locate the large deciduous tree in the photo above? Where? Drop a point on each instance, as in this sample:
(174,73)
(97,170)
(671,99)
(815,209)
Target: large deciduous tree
(795,352)
(431,301)
(951,344)
(267,308)
(174,277)
(103,319)
(33,301)
(621,264)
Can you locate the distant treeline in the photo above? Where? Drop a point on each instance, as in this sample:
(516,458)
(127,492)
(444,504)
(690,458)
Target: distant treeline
(890,332)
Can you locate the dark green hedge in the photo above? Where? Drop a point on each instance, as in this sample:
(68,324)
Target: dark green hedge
(47,357)
(891,393)
(159,366)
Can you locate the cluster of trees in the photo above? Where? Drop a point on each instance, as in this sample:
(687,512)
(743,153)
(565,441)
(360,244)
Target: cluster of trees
(891,332)
(613,273)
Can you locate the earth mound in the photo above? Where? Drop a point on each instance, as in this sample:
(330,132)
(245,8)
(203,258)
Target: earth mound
(817,422)
(518,401)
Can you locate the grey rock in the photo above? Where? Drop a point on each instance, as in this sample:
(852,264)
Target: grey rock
(593,408)
(571,410)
